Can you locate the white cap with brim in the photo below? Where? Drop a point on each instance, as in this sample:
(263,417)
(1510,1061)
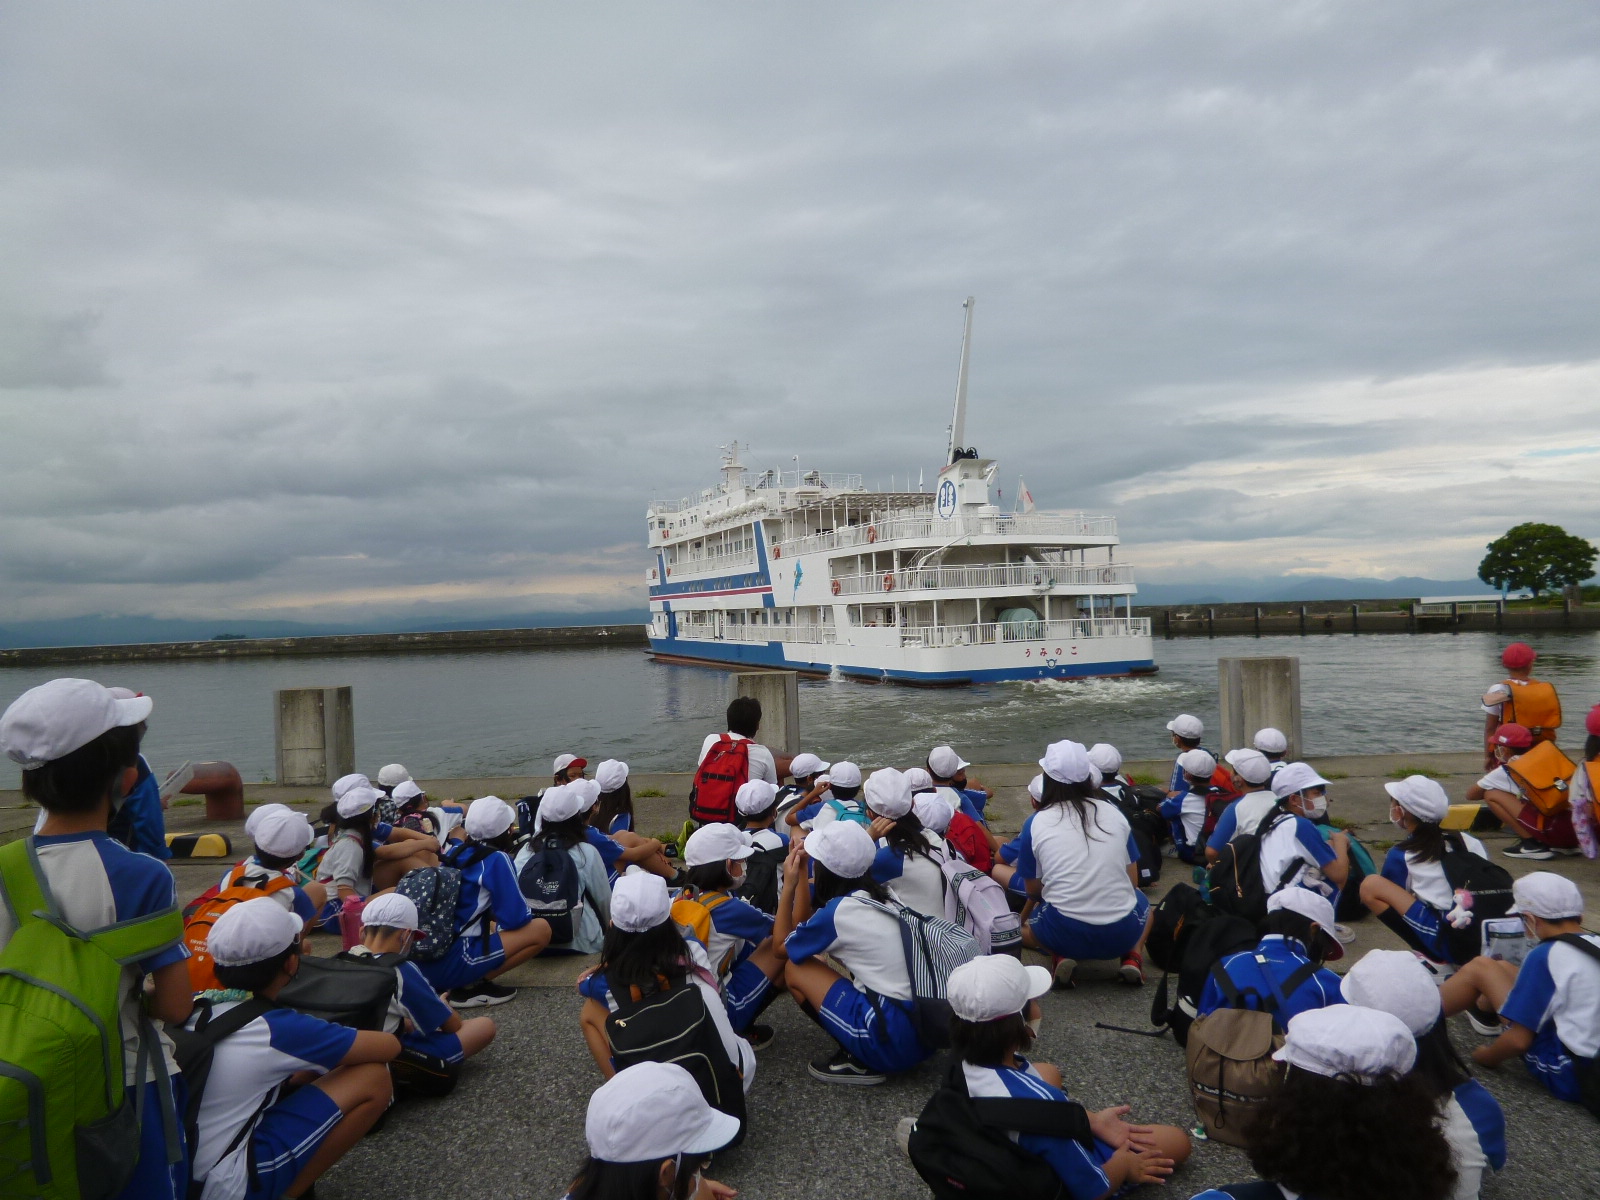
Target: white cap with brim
(1346,1039)
(54,719)
(994,986)
(1270,741)
(805,765)
(1106,758)
(919,778)
(1420,796)
(391,909)
(1198,763)
(945,763)
(1296,777)
(651,1112)
(1036,788)
(345,783)
(639,902)
(560,803)
(259,814)
(1186,725)
(1546,895)
(563,761)
(755,796)
(356,801)
(488,817)
(253,931)
(1252,765)
(611,774)
(934,811)
(392,775)
(844,847)
(1394,981)
(406,791)
(716,842)
(845,774)
(283,833)
(1313,906)
(887,793)
(1066,762)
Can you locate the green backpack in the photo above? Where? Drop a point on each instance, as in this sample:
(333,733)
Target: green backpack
(65,1129)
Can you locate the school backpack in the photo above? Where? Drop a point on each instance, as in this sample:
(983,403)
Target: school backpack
(1488,889)
(674,1026)
(1544,776)
(1533,704)
(202,914)
(1217,796)
(1588,1069)
(849,810)
(527,810)
(66,1127)
(978,904)
(194,1049)
(347,989)
(723,771)
(963,1150)
(553,887)
(763,871)
(1148,830)
(1175,918)
(1234,882)
(435,891)
(1207,944)
(1231,1069)
(933,947)
(692,914)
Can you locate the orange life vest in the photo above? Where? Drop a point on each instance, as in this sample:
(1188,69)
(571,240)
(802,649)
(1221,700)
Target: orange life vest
(1533,703)
(1544,776)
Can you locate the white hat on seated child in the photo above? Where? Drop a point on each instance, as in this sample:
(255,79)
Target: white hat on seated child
(1106,758)
(1296,777)
(611,774)
(392,775)
(488,817)
(283,834)
(639,902)
(716,842)
(259,814)
(1420,796)
(391,909)
(1346,1039)
(754,797)
(934,811)
(805,765)
(253,931)
(651,1112)
(845,774)
(1186,725)
(357,800)
(560,803)
(1198,763)
(887,793)
(844,847)
(1252,765)
(1036,788)
(1066,762)
(345,783)
(1313,906)
(405,790)
(1270,741)
(918,778)
(945,762)
(1393,981)
(1546,895)
(54,719)
(993,986)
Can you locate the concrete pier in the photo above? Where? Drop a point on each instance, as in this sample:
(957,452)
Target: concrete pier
(779,695)
(314,730)
(1256,693)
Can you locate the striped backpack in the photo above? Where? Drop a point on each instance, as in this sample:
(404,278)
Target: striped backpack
(933,948)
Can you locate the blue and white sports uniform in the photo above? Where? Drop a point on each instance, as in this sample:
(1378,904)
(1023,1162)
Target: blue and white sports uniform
(737,928)
(1295,848)
(1243,815)
(621,823)
(1081,1168)
(96,881)
(916,880)
(740,1053)
(137,821)
(1090,908)
(1488,1120)
(1434,896)
(609,850)
(967,800)
(417,1002)
(1557,995)
(1264,971)
(869,1014)
(250,873)
(248,1071)
(489,890)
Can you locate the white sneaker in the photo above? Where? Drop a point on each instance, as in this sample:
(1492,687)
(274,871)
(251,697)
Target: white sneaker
(1064,971)
(902,1134)
(1488,1026)
(1344,933)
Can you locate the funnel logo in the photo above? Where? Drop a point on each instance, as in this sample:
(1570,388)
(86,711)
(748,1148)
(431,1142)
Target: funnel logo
(947,499)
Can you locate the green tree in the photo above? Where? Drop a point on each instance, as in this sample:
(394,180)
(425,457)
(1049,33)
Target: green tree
(1538,557)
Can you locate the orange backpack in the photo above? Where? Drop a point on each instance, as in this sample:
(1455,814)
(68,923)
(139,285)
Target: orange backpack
(203,914)
(1534,705)
(1544,776)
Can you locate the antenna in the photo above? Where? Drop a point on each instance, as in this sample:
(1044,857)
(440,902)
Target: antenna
(958,423)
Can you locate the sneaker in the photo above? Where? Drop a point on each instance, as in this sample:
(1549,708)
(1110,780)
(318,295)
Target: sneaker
(1528,848)
(481,994)
(1065,968)
(845,1067)
(1564,851)
(1344,934)
(760,1036)
(1132,970)
(1484,1023)
(902,1134)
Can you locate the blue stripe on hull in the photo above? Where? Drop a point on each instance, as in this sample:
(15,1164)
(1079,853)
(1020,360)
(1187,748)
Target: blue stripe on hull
(770,654)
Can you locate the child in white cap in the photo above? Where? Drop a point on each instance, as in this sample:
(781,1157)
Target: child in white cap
(1194,806)
(737,936)
(843,915)
(1293,850)
(1077,859)
(757,803)
(1549,1008)
(949,774)
(651,1133)
(909,856)
(1412,895)
(77,744)
(995,1002)
(433,1037)
(281,835)
(366,854)
(1396,982)
(613,811)
(1252,776)
(564,827)
(646,954)
(840,799)
(1283,974)
(250,1140)
(1349,1121)
(494,929)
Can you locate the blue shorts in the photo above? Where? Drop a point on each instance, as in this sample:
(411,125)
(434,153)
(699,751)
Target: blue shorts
(1075,939)
(154,1178)
(439,1044)
(1425,921)
(286,1137)
(468,961)
(875,1029)
(743,994)
(1551,1063)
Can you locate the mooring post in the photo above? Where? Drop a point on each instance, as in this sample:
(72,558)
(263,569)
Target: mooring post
(315,734)
(1257,692)
(1355,618)
(779,694)
(1211,622)
(1258,622)
(1302,620)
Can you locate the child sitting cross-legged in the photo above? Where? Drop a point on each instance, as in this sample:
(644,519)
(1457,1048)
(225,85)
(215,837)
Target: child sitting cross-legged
(251,1140)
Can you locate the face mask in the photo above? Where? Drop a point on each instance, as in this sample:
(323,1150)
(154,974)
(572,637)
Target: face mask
(1397,816)
(1033,1027)
(738,880)
(1316,809)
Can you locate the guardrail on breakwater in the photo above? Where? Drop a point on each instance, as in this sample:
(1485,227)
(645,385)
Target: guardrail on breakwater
(560,638)
(1235,620)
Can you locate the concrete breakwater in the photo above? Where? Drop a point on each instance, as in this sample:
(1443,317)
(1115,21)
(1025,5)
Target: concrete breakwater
(1353,616)
(555,638)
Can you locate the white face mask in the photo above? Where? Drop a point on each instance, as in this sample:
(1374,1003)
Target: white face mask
(738,880)
(1033,1027)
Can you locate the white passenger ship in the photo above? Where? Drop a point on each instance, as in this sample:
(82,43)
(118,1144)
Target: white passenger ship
(812,572)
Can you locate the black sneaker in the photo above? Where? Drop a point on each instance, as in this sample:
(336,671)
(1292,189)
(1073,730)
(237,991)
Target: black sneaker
(1528,848)
(481,994)
(1484,1024)
(760,1036)
(845,1067)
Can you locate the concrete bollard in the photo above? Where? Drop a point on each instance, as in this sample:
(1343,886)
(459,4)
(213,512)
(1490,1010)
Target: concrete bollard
(779,693)
(1255,693)
(315,734)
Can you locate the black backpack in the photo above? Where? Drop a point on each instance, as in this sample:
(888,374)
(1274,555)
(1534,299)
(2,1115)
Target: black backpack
(762,870)
(674,1026)
(962,1149)
(1234,882)
(1148,829)
(193,1049)
(551,884)
(1209,941)
(1488,883)
(1176,916)
(347,989)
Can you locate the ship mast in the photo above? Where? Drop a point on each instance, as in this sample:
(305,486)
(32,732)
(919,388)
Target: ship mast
(958,422)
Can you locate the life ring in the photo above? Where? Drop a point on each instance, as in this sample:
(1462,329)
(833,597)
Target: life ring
(777,552)
(836,587)
(888,581)
(1107,575)
(872,533)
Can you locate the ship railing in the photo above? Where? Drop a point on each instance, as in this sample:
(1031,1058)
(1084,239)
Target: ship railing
(932,527)
(1037,577)
(1050,635)
(709,564)
(707,631)
(833,481)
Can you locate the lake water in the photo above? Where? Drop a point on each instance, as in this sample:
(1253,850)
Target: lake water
(510,713)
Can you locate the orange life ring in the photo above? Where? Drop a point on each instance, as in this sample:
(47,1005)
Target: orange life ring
(888,581)
(872,533)
(835,587)
(777,552)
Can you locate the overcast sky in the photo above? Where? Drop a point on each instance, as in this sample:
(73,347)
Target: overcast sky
(326,311)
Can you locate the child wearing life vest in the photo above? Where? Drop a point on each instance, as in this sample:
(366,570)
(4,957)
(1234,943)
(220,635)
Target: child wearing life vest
(1520,699)
(1548,1010)
(1541,836)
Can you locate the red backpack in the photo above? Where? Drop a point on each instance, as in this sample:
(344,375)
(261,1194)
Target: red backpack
(724,770)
